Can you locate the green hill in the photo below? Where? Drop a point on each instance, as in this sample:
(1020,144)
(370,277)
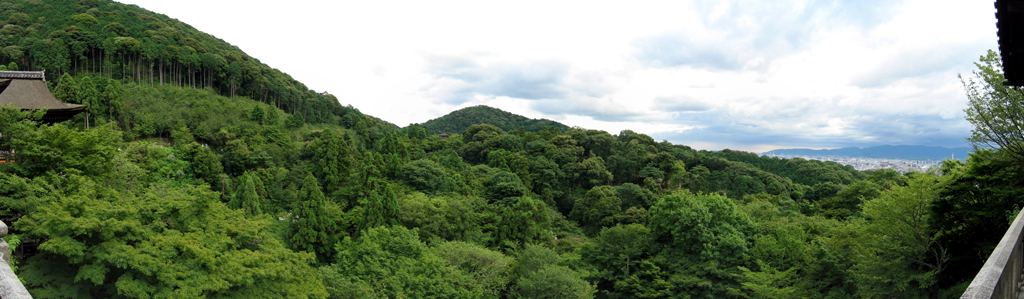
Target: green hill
(131,44)
(460,120)
(232,180)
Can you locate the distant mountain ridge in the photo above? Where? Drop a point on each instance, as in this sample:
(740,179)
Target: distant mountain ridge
(905,152)
(459,120)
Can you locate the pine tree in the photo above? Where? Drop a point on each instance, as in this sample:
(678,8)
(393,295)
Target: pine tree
(332,161)
(381,208)
(380,204)
(506,228)
(251,201)
(393,153)
(257,114)
(112,98)
(313,228)
(391,210)
(373,212)
(67,89)
(87,95)
(264,196)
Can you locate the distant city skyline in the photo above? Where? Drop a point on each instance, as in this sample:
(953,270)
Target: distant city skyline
(750,76)
(904,152)
(861,163)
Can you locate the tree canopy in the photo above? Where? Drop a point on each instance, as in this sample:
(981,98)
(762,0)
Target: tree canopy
(205,173)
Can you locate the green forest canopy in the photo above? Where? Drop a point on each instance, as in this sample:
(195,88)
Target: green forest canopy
(486,213)
(207,187)
(460,120)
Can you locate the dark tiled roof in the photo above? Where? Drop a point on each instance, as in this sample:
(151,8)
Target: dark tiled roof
(21,75)
(1010,30)
(28,91)
(31,94)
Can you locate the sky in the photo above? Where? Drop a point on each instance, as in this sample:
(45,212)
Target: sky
(743,75)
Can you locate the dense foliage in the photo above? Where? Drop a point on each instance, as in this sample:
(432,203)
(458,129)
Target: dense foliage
(173,191)
(233,199)
(460,120)
(111,40)
(995,110)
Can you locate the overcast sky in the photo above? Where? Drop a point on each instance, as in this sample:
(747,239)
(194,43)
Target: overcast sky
(747,75)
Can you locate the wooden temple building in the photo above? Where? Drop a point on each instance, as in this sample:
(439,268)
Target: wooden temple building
(28,91)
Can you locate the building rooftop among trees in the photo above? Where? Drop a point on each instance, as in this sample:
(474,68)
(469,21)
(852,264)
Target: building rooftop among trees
(28,91)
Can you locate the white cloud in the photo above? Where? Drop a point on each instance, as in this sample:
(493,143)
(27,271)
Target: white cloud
(710,74)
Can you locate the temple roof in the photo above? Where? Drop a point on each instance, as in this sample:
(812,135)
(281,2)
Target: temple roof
(21,75)
(28,91)
(1010,30)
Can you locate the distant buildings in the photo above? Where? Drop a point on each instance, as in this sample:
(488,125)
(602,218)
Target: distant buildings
(861,164)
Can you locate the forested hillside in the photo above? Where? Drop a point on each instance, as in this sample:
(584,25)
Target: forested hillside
(241,198)
(130,44)
(183,190)
(460,120)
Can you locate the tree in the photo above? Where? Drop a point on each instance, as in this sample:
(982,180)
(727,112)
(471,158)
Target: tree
(380,209)
(170,241)
(393,152)
(704,239)
(974,210)
(294,121)
(616,253)
(112,98)
(995,110)
(206,164)
(769,283)
(847,201)
(425,175)
(391,262)
(19,18)
(489,269)
(597,208)
(528,221)
(375,195)
(89,96)
(332,161)
(251,201)
(500,159)
(901,253)
(677,176)
(505,185)
(539,276)
(257,114)
(13,52)
(67,89)
(314,228)
(60,149)
(116,28)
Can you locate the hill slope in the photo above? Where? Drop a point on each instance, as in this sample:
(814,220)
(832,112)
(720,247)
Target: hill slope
(459,120)
(906,152)
(131,44)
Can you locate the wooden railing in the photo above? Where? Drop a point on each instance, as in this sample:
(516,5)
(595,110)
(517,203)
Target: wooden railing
(1001,275)
(10,285)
